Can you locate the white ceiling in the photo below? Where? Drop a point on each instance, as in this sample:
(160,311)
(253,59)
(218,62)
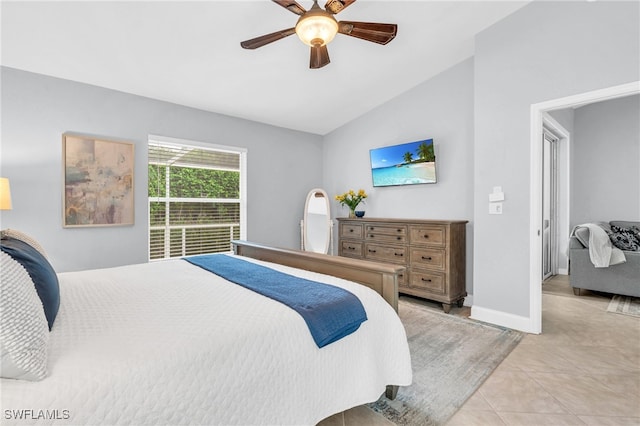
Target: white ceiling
(189,53)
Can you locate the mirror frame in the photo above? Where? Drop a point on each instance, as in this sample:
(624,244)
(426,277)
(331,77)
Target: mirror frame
(303,223)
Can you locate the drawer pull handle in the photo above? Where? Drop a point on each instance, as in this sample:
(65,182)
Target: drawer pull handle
(426,258)
(426,235)
(351,248)
(371,251)
(426,280)
(371,235)
(350,230)
(399,238)
(399,230)
(399,254)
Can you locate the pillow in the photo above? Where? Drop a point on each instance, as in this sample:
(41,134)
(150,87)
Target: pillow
(40,271)
(24,332)
(624,238)
(23,237)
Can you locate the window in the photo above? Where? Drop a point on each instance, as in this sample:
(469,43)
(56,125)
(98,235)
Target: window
(196,198)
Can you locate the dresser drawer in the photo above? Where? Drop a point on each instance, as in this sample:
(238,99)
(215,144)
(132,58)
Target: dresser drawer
(351,230)
(428,258)
(431,281)
(386,233)
(351,248)
(385,253)
(432,235)
(432,251)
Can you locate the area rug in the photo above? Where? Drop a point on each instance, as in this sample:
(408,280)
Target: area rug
(451,356)
(625,305)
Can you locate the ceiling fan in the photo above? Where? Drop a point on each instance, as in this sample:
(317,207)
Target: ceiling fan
(316,27)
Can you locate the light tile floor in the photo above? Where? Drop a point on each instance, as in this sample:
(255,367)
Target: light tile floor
(584,369)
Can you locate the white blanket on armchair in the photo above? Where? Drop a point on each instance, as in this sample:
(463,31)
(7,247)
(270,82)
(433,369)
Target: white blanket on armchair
(601,252)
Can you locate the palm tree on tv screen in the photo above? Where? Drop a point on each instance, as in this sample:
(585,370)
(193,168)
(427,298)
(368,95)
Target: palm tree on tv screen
(425,152)
(408,157)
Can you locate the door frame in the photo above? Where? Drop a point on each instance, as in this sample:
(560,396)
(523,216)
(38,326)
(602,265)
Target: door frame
(535,183)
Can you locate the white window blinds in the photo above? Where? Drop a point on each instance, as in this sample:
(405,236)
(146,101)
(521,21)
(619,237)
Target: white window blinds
(196,200)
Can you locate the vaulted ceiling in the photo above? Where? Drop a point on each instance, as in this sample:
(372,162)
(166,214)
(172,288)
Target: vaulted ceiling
(189,53)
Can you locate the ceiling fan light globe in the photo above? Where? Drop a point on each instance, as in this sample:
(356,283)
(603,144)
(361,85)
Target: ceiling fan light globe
(316,26)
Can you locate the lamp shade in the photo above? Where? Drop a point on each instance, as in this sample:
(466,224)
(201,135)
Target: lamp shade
(5,194)
(316,27)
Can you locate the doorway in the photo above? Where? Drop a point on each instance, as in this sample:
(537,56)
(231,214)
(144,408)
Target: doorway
(536,257)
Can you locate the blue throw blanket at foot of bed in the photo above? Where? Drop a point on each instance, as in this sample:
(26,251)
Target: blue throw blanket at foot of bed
(330,312)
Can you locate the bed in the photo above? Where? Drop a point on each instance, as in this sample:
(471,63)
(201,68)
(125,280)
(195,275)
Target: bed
(171,343)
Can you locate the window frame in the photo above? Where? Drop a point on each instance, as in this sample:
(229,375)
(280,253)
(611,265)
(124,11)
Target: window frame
(185,143)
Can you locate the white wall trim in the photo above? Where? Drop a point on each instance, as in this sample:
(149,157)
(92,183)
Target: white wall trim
(535,185)
(503,319)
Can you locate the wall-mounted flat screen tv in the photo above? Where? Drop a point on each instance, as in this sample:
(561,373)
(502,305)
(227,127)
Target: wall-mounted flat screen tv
(405,164)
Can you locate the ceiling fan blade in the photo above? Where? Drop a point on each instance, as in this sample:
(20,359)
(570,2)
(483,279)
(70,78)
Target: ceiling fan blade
(370,31)
(291,5)
(254,43)
(319,57)
(337,6)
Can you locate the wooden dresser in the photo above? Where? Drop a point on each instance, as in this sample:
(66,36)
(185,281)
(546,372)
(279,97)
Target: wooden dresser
(433,251)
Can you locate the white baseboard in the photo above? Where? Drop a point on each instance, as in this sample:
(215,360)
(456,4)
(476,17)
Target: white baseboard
(503,319)
(563,271)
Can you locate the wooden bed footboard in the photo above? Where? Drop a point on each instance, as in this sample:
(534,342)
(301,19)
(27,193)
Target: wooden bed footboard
(381,277)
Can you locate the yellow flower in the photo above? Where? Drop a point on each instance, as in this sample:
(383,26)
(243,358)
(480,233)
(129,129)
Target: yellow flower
(351,198)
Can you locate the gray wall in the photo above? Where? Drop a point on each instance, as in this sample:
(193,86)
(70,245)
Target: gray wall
(478,113)
(37,110)
(442,109)
(547,50)
(606,162)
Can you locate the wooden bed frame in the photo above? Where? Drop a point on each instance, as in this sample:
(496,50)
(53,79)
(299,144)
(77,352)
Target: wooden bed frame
(381,277)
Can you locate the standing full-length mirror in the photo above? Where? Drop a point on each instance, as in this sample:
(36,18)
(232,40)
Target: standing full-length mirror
(316,225)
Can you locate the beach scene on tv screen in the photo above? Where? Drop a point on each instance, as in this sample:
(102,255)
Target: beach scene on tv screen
(406,164)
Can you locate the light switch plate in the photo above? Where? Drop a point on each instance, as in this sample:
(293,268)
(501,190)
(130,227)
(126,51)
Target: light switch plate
(495,208)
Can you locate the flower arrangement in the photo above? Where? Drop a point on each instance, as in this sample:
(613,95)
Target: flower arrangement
(351,199)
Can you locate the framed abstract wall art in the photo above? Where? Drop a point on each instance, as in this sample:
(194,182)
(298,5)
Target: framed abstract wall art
(98,181)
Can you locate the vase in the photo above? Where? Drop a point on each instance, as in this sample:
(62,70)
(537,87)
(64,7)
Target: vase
(352,213)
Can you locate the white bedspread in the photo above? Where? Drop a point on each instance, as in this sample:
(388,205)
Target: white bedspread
(170,343)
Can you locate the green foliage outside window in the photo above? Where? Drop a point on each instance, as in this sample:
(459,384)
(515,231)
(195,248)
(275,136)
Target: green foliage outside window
(194,200)
(194,183)
(204,183)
